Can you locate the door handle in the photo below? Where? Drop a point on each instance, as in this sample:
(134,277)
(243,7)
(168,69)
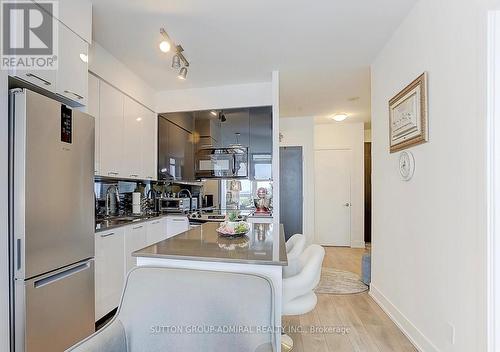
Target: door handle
(61,275)
(78,96)
(47,83)
(107,234)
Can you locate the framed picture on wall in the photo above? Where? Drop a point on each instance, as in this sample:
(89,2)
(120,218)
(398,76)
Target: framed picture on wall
(408,120)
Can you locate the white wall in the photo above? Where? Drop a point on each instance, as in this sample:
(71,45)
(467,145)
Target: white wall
(429,234)
(221,97)
(109,68)
(4,245)
(299,131)
(348,136)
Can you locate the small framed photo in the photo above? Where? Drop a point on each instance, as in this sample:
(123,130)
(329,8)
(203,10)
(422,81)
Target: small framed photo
(408,120)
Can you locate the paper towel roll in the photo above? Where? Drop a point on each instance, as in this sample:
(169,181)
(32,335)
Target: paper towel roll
(136,203)
(136,198)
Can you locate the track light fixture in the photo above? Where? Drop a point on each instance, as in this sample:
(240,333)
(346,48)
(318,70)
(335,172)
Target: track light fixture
(222,117)
(165,45)
(182,73)
(176,61)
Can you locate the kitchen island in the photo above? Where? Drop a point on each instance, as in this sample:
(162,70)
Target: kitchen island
(261,251)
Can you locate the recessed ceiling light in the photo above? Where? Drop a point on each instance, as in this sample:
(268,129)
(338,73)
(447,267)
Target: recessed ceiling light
(165,46)
(84,57)
(139,119)
(339,117)
(214,113)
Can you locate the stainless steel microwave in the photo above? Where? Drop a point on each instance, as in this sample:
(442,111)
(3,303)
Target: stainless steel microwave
(230,162)
(176,205)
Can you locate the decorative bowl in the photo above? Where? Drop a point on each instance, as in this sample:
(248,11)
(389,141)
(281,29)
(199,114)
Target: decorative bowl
(233,228)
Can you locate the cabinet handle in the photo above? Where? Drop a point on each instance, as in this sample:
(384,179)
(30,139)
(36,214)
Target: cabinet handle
(178,220)
(134,175)
(155,222)
(47,83)
(149,177)
(78,96)
(107,234)
(112,173)
(137,227)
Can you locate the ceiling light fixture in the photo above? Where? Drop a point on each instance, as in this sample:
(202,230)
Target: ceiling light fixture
(178,59)
(222,117)
(214,113)
(84,57)
(339,117)
(182,73)
(164,46)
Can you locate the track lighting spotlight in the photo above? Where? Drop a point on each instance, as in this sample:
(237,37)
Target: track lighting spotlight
(222,117)
(183,73)
(176,61)
(165,46)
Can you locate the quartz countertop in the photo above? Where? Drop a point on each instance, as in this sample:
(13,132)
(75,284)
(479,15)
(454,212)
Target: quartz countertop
(203,243)
(120,221)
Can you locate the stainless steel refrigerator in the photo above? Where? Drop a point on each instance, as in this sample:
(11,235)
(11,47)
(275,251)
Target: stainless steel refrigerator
(51,223)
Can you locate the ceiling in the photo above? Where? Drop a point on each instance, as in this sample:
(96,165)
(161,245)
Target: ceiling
(322,48)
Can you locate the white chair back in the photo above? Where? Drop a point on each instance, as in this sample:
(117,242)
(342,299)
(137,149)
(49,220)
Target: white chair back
(294,248)
(298,290)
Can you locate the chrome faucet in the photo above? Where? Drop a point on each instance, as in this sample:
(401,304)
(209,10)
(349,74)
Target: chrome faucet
(108,199)
(190,197)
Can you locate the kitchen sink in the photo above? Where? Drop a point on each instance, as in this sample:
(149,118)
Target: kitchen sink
(119,220)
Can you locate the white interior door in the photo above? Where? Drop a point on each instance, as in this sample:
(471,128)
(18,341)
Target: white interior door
(333,197)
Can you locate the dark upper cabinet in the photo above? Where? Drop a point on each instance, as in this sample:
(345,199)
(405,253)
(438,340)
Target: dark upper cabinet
(175,152)
(260,142)
(236,127)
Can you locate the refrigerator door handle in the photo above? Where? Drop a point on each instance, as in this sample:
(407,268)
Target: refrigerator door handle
(18,254)
(62,274)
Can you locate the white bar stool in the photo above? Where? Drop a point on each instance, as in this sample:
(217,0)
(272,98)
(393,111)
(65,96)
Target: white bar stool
(298,290)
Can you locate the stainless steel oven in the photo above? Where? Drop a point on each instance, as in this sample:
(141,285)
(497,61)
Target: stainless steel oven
(230,162)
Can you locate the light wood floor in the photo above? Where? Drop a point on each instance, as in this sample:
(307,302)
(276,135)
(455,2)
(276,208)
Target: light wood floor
(369,328)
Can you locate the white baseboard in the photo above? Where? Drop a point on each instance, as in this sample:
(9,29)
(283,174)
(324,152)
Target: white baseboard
(416,337)
(357,244)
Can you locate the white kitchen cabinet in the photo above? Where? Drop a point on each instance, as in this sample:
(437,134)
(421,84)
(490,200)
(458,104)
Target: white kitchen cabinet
(135,238)
(149,143)
(155,231)
(45,79)
(93,110)
(133,122)
(72,71)
(176,225)
(111,130)
(109,270)
(77,15)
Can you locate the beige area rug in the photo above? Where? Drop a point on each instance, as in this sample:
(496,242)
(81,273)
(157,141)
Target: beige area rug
(339,282)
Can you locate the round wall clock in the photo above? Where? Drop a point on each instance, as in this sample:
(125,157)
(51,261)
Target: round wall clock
(406,165)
